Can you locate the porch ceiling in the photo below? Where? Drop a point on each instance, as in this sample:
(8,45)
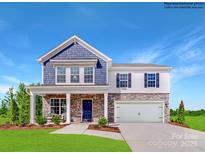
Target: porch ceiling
(73,89)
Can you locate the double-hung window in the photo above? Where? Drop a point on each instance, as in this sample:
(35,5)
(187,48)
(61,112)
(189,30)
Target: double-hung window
(61,75)
(123,80)
(58,106)
(74,75)
(151,80)
(88,74)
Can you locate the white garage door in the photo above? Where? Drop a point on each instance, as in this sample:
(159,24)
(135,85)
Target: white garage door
(138,112)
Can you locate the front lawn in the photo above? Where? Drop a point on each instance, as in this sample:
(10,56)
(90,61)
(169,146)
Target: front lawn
(40,140)
(195,122)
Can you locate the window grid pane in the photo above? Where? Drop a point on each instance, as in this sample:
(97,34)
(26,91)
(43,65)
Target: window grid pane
(88,74)
(58,106)
(151,80)
(123,80)
(74,75)
(61,74)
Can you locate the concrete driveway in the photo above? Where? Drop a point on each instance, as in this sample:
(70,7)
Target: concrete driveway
(162,137)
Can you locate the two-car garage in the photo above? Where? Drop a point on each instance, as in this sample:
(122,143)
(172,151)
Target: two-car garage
(139,112)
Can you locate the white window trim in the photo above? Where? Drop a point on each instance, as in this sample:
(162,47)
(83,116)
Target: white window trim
(152,80)
(123,80)
(81,75)
(59,105)
(89,74)
(74,74)
(57,74)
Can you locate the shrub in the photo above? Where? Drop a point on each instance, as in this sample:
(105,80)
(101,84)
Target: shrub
(102,121)
(41,120)
(56,119)
(181,113)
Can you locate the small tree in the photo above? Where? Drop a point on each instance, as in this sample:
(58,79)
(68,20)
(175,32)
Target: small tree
(23,101)
(13,107)
(181,113)
(38,105)
(4,108)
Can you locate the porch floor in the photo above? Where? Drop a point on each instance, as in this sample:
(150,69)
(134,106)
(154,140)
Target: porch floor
(81,128)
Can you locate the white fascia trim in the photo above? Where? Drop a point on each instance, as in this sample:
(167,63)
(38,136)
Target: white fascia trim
(69,41)
(68,89)
(141,69)
(65,43)
(94,50)
(74,62)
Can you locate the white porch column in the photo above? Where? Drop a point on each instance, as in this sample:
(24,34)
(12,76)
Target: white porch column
(68,108)
(32,108)
(106,105)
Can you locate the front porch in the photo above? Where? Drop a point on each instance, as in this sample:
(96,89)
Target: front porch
(84,105)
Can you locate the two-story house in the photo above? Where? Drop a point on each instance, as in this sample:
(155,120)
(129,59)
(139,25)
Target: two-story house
(81,84)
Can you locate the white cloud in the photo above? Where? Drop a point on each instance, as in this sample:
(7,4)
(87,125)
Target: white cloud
(4,89)
(6,60)
(182,72)
(148,57)
(22,66)
(11,79)
(195,54)
(185,52)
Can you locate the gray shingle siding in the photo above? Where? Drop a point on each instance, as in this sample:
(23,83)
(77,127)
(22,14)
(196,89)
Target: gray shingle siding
(74,51)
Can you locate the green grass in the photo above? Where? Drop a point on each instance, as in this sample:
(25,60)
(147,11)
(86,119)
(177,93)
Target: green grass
(40,140)
(3,120)
(195,122)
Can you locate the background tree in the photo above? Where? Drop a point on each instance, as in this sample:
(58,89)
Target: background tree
(181,113)
(4,108)
(13,107)
(23,101)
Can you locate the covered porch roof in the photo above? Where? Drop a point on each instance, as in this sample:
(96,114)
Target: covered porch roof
(74,89)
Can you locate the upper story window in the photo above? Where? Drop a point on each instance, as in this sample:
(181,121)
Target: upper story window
(88,74)
(151,80)
(61,75)
(74,75)
(123,80)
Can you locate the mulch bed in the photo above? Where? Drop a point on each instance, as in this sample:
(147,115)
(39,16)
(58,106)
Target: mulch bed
(178,124)
(106,128)
(14,127)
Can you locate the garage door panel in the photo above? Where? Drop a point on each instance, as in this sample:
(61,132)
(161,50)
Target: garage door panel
(136,112)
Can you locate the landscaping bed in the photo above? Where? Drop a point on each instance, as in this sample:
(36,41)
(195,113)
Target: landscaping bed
(178,124)
(104,128)
(15,127)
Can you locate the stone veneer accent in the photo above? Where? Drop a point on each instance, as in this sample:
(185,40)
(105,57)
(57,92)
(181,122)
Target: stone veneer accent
(76,106)
(138,97)
(46,103)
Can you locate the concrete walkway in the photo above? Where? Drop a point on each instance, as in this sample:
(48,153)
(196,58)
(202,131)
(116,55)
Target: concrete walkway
(81,128)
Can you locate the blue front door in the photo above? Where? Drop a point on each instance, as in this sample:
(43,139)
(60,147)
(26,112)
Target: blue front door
(87,110)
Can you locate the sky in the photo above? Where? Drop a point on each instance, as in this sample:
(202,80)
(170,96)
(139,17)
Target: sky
(126,32)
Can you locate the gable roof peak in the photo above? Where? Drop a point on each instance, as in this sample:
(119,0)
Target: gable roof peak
(69,41)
